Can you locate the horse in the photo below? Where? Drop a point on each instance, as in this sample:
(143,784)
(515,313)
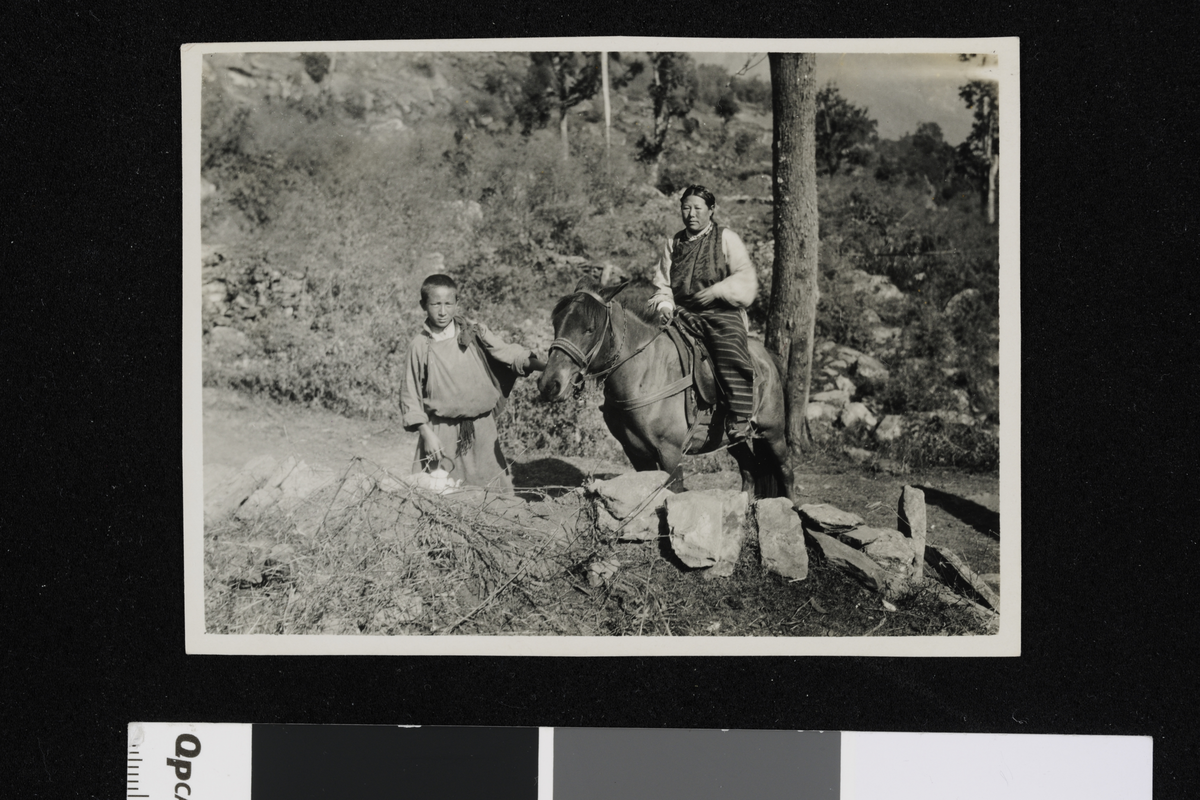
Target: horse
(644,386)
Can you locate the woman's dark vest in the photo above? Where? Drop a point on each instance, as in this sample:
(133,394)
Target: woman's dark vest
(696,265)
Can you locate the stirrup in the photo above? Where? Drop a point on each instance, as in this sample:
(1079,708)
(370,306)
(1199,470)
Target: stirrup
(741,432)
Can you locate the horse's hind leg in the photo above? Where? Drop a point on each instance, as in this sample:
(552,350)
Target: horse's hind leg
(776,460)
(749,467)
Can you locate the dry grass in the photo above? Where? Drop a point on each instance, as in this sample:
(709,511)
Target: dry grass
(355,559)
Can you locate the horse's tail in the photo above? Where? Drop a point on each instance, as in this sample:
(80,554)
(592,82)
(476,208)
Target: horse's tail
(769,478)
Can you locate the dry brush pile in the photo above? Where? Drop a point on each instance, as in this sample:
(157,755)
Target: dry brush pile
(309,551)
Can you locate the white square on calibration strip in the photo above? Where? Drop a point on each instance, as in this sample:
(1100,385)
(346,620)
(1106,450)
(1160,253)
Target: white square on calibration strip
(188,760)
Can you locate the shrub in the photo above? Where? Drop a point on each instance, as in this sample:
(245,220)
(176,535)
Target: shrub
(932,442)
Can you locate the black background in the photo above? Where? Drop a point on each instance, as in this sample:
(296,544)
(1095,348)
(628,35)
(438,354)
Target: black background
(90,524)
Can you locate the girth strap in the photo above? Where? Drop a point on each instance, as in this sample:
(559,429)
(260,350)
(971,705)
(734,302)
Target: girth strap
(637,402)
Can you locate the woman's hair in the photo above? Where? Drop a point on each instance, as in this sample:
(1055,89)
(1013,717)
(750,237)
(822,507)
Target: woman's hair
(699,191)
(432,281)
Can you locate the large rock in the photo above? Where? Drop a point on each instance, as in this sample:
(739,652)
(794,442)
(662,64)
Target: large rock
(875,288)
(856,415)
(628,506)
(850,561)
(871,370)
(217,474)
(228,342)
(707,528)
(892,552)
(781,538)
(820,418)
(835,398)
(302,481)
(946,416)
(828,519)
(268,494)
(859,455)
(858,538)
(912,517)
(890,428)
(956,306)
(959,577)
(818,411)
(883,335)
(225,498)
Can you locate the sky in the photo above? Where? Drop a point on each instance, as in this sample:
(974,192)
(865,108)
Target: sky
(900,90)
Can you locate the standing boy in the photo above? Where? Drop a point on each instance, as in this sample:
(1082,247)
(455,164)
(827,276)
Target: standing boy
(458,374)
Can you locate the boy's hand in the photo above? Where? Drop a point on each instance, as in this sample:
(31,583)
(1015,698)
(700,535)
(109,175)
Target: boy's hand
(536,364)
(432,445)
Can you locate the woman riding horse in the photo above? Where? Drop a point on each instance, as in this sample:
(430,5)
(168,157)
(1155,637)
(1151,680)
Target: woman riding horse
(706,273)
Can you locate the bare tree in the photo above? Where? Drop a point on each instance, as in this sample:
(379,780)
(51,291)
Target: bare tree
(792,317)
(554,84)
(607,104)
(983,144)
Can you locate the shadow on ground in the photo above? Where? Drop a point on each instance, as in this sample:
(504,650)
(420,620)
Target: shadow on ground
(548,476)
(979,517)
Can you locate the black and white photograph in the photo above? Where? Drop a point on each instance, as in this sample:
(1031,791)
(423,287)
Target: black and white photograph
(618,346)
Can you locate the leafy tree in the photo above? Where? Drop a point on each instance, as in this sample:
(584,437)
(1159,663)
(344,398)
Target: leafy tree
(979,154)
(557,82)
(727,107)
(317,65)
(554,84)
(924,155)
(752,91)
(791,322)
(845,133)
(673,94)
(712,83)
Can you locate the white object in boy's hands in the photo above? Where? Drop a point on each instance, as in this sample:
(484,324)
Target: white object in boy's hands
(438,480)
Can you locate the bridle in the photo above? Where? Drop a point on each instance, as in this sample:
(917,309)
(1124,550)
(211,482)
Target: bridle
(584,360)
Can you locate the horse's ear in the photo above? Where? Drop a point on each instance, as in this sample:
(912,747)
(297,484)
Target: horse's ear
(609,292)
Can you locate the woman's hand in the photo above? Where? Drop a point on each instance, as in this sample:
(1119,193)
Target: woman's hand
(705,297)
(666,312)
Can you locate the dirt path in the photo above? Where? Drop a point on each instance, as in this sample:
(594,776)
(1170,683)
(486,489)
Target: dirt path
(238,428)
(963,509)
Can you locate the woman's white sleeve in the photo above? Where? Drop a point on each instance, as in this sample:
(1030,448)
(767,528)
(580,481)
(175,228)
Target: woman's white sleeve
(740,287)
(662,277)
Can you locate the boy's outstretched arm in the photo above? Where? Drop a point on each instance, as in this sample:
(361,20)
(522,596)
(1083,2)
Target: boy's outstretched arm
(518,357)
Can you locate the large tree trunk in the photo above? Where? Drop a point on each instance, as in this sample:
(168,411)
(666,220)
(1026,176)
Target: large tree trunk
(993,180)
(662,119)
(993,162)
(792,318)
(607,106)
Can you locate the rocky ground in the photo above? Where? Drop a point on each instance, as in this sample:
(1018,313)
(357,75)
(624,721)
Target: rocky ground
(962,516)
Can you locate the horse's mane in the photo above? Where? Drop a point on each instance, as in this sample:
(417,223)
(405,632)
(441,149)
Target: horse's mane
(632,296)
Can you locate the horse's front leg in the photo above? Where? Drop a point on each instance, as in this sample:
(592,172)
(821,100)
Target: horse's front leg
(670,460)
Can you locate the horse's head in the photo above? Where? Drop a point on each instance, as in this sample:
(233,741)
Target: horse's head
(581,324)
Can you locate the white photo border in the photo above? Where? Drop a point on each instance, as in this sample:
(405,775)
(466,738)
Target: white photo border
(1006,643)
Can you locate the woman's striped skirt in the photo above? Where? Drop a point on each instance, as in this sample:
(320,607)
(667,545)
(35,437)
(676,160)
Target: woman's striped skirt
(723,330)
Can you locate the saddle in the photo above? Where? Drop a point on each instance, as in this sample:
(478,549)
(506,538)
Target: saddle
(704,408)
